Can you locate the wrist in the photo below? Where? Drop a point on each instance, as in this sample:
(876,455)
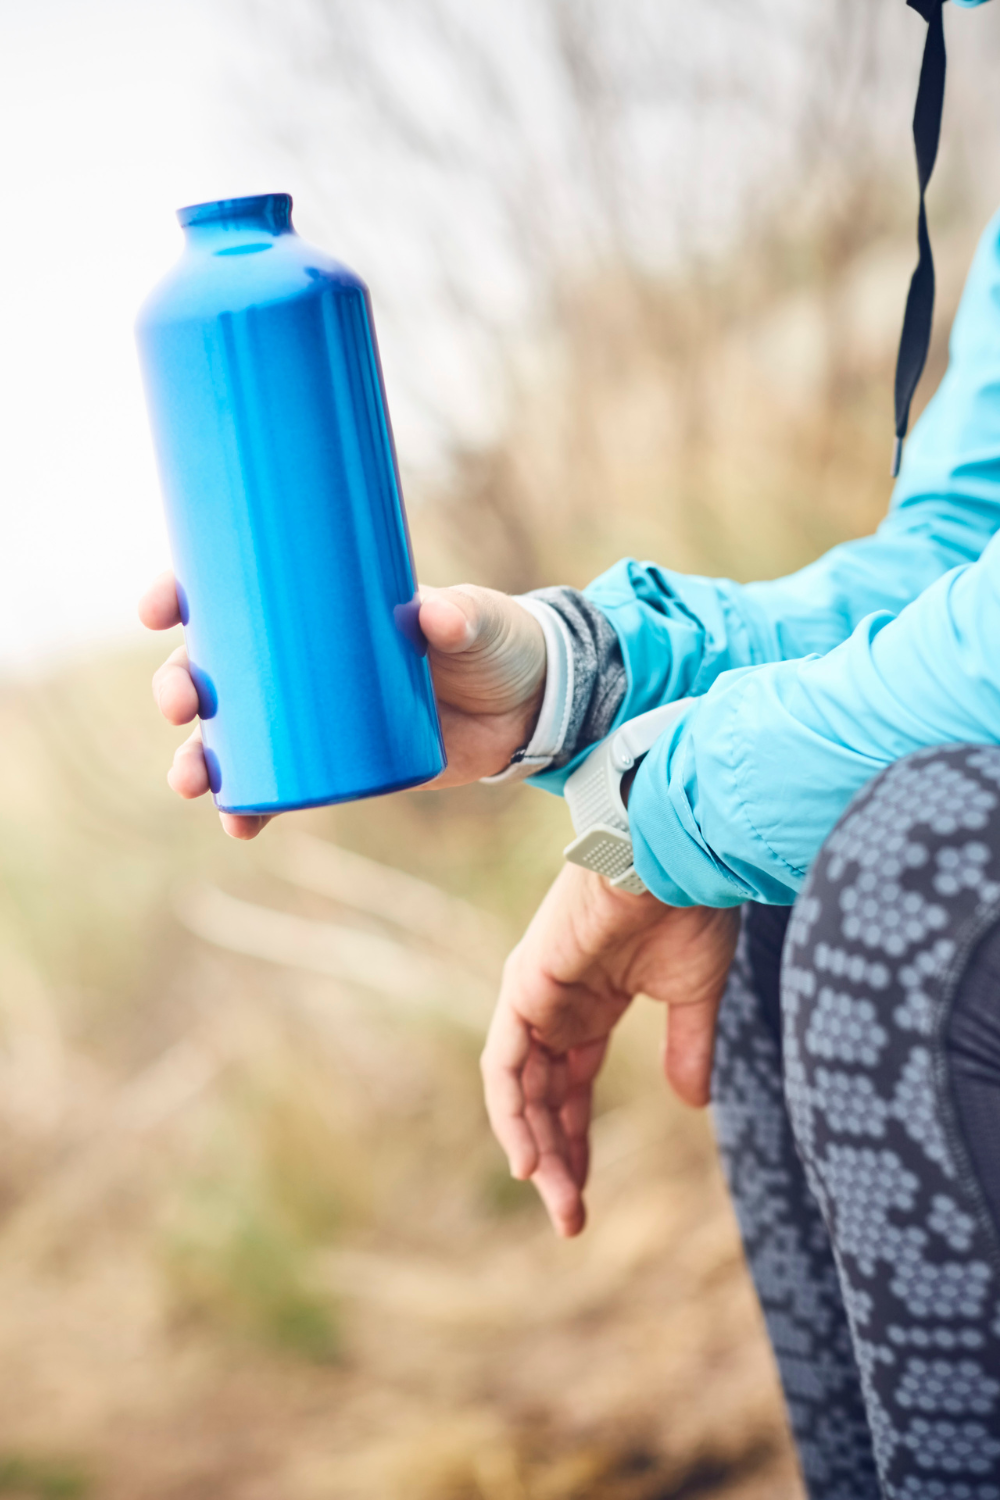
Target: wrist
(530,711)
(594,796)
(621,902)
(543,715)
(623,899)
(610,915)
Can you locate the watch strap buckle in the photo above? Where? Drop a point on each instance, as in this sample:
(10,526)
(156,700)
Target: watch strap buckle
(606,851)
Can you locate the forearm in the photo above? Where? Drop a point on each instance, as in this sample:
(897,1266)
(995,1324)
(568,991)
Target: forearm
(641,635)
(735,802)
(677,633)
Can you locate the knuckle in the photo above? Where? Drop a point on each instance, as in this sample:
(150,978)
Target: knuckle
(511,964)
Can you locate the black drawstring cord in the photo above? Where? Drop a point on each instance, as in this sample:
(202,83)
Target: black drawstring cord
(915,338)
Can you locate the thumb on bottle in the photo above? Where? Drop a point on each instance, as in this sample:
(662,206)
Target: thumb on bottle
(449,619)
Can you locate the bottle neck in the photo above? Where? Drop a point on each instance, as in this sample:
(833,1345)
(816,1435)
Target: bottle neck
(231,225)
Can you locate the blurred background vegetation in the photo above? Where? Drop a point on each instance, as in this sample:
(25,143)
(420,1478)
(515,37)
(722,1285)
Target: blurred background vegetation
(255,1239)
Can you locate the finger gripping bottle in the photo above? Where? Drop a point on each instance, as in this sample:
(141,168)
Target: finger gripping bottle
(286,520)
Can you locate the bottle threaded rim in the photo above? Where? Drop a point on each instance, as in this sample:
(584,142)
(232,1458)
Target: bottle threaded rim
(269,211)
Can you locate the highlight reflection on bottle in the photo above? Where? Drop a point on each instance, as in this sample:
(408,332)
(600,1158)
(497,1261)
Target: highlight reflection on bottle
(286,517)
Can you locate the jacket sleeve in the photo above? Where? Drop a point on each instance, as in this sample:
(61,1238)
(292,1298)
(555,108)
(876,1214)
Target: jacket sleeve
(735,802)
(678,632)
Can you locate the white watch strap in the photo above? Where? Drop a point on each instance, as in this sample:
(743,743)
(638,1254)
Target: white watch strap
(593,795)
(553,717)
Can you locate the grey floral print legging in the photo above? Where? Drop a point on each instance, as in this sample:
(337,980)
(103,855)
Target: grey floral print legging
(857,1103)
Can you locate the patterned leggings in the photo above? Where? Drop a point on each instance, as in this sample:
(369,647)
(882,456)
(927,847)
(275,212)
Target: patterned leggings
(857,1105)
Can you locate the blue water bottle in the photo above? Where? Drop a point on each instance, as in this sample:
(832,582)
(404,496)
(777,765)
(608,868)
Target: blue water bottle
(286,519)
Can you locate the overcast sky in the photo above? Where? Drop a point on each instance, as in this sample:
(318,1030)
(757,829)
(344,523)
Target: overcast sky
(109,119)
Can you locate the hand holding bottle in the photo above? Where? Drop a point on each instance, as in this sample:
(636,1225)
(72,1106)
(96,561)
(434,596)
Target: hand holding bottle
(487,658)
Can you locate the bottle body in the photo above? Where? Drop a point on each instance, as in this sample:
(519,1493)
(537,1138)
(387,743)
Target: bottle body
(286,517)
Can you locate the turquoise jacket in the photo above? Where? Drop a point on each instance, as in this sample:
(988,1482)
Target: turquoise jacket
(806,686)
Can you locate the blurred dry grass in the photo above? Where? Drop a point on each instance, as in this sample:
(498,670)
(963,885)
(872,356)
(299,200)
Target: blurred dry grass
(255,1239)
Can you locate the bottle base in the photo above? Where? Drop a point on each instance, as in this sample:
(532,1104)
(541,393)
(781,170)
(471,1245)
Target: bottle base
(270,809)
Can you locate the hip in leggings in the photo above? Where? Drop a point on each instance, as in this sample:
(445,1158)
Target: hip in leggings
(857,1102)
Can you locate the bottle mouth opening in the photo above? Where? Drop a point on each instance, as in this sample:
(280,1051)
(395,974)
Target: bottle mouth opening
(269,211)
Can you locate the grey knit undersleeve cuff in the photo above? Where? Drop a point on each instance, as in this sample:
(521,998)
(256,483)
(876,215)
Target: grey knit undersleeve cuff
(599,680)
